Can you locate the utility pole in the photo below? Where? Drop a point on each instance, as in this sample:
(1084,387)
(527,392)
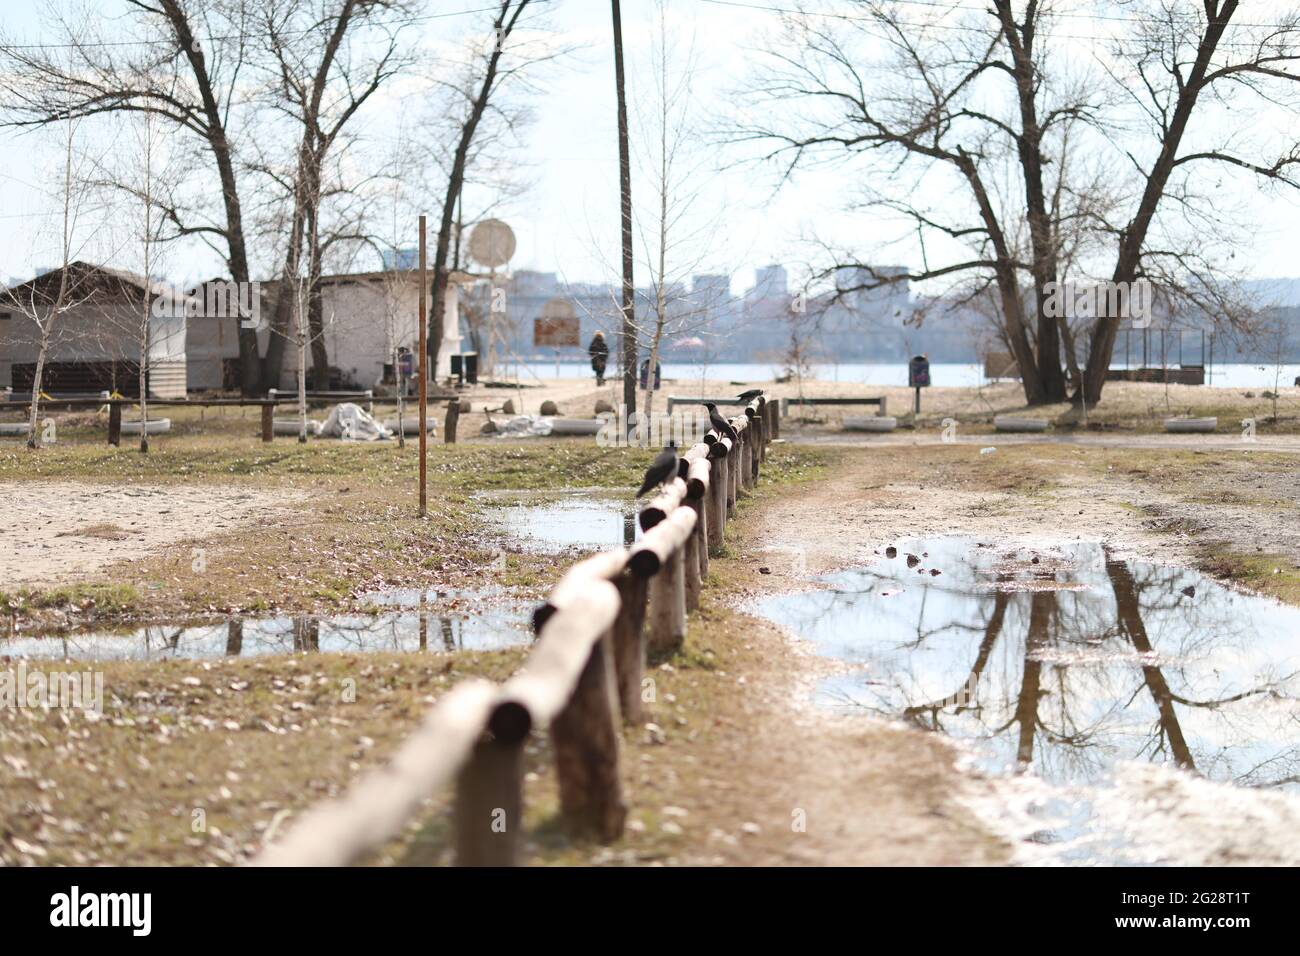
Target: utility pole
(625,195)
(424,373)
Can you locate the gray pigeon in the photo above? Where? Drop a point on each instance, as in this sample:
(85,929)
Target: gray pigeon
(720,424)
(661,469)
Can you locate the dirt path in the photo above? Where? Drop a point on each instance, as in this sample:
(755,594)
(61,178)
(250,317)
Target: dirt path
(59,531)
(874,792)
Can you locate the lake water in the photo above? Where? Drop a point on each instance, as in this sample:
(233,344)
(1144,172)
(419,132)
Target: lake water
(1240,375)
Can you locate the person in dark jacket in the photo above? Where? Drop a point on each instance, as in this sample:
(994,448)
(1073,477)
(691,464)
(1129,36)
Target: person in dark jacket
(599,352)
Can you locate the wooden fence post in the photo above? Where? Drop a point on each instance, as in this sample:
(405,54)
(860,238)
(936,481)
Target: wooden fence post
(775,417)
(733,471)
(701,508)
(755,445)
(115,424)
(629,644)
(585,736)
(268,421)
(718,505)
(490,805)
(668,605)
(691,572)
(449,426)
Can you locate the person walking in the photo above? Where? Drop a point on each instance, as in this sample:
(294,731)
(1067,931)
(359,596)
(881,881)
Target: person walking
(599,352)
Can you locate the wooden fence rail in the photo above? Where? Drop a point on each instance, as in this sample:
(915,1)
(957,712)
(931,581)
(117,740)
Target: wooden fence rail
(582,680)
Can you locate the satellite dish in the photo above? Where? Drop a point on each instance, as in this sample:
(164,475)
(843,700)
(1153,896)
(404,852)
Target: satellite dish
(492,243)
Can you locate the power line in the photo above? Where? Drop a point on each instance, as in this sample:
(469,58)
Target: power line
(938,4)
(102,44)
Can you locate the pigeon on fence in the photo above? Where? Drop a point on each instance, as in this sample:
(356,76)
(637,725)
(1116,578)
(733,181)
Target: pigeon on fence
(720,424)
(661,469)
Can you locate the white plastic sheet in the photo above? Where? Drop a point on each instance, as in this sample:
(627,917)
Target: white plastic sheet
(352,423)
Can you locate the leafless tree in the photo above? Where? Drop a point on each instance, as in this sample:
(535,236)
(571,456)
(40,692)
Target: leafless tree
(44,303)
(677,236)
(158,65)
(978,107)
(495,63)
(323,65)
(1189,58)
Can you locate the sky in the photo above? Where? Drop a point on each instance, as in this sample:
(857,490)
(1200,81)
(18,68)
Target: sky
(566,221)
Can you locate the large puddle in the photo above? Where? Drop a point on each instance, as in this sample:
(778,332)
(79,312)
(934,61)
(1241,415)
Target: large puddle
(581,521)
(1062,664)
(430,621)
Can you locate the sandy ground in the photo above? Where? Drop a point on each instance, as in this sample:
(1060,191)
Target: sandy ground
(1131,403)
(59,531)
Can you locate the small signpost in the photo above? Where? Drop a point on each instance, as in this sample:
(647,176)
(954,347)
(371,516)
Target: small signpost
(557,328)
(918,377)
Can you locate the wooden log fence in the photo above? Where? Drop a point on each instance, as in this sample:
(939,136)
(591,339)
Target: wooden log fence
(583,679)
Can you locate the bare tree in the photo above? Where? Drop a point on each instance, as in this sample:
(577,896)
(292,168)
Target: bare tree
(975,104)
(1186,56)
(678,238)
(163,69)
(38,303)
(324,65)
(625,215)
(490,68)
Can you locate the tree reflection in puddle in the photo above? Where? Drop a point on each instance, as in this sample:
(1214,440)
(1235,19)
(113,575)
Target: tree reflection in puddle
(1064,662)
(414,629)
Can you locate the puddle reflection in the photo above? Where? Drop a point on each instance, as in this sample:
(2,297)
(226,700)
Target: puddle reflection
(247,637)
(1064,662)
(582,521)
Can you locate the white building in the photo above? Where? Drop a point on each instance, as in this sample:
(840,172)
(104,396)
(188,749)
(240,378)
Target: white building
(94,342)
(366,317)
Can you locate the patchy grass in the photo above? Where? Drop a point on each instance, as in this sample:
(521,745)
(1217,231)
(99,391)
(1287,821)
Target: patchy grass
(237,745)
(190,763)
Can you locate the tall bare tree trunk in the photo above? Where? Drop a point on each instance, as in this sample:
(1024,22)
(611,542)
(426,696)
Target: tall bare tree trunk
(1102,345)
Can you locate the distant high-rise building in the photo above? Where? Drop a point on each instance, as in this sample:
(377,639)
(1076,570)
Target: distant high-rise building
(399,259)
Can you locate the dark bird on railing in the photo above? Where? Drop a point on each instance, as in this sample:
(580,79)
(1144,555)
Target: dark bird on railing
(750,395)
(663,468)
(720,424)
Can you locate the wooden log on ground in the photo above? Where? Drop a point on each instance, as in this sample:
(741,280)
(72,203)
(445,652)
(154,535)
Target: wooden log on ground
(268,422)
(490,805)
(585,737)
(629,645)
(662,504)
(115,424)
(376,808)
